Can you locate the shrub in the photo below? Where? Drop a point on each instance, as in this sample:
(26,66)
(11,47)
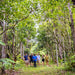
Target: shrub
(7,63)
(71,63)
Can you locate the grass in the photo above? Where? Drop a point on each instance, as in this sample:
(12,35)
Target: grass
(21,69)
(43,70)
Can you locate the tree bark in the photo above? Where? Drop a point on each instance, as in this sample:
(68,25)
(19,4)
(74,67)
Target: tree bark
(21,50)
(64,50)
(56,48)
(13,47)
(60,52)
(52,56)
(72,27)
(56,54)
(4,40)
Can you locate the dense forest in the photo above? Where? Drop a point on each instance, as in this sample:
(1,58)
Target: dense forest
(37,26)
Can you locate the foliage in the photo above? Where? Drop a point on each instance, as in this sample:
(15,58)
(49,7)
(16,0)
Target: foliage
(7,63)
(19,60)
(43,70)
(46,22)
(70,65)
(1,43)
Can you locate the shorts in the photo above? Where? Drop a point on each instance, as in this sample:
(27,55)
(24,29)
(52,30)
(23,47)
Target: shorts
(47,61)
(38,61)
(31,61)
(43,60)
(26,61)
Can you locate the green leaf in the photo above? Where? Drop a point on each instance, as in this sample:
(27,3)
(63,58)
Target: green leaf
(1,43)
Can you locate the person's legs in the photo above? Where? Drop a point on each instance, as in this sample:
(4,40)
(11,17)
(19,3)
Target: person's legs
(38,62)
(30,62)
(27,62)
(43,61)
(47,63)
(34,63)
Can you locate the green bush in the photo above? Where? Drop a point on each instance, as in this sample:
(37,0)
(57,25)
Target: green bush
(19,60)
(71,63)
(6,63)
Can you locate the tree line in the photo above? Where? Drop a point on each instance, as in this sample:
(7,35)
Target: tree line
(56,32)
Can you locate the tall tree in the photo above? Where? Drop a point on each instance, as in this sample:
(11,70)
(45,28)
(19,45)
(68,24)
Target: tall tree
(72,26)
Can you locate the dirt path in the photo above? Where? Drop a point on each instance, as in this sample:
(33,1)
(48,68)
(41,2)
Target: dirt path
(42,70)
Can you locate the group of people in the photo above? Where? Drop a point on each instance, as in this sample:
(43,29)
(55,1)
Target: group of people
(33,59)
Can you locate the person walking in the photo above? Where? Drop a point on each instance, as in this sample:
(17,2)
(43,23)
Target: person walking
(31,59)
(47,59)
(35,60)
(38,58)
(43,59)
(26,59)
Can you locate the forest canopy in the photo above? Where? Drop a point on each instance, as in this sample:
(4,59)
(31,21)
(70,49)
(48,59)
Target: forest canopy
(37,26)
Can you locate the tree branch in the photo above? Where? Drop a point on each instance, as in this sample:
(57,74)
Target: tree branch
(1,23)
(15,24)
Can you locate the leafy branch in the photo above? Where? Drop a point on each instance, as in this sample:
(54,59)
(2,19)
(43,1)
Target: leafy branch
(15,23)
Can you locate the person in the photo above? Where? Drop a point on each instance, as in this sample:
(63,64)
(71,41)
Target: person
(34,60)
(43,59)
(38,58)
(26,59)
(31,60)
(47,59)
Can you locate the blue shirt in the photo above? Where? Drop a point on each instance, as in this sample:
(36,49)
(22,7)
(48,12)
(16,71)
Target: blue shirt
(26,57)
(34,58)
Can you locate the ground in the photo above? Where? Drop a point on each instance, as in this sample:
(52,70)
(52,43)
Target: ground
(43,70)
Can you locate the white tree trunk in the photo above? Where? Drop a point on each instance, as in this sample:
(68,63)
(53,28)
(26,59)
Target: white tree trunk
(56,54)
(72,27)
(60,52)
(64,56)
(56,48)
(64,50)
(21,50)
(60,48)
(4,40)
(13,43)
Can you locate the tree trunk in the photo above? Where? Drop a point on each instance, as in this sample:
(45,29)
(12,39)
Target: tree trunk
(64,56)
(4,40)
(72,27)
(21,50)
(52,56)
(13,47)
(60,52)
(56,54)
(56,48)
(64,50)
(60,48)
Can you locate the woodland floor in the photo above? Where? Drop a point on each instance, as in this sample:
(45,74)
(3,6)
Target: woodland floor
(41,70)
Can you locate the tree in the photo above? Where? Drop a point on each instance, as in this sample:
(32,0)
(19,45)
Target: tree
(16,12)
